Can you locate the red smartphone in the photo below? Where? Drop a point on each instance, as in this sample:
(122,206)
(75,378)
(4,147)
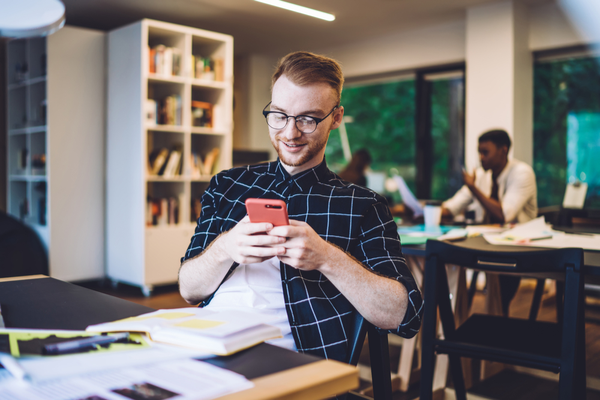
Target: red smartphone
(267,210)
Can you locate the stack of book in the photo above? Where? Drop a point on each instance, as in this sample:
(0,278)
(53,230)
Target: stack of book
(166,111)
(205,166)
(202,114)
(165,163)
(164,61)
(163,211)
(207,68)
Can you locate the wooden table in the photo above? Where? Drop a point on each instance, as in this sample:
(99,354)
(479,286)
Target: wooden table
(40,302)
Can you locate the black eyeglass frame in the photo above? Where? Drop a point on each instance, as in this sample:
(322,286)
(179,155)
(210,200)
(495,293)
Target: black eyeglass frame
(317,120)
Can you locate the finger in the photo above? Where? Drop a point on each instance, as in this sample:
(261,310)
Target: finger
(265,240)
(254,228)
(261,252)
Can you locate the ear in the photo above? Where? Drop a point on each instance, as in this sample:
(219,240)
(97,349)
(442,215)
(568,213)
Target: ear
(337,116)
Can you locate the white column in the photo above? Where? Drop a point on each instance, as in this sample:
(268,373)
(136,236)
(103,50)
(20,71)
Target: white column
(499,76)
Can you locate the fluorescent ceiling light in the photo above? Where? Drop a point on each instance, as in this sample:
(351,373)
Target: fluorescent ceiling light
(299,9)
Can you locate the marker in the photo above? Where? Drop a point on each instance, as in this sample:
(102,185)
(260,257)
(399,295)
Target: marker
(81,345)
(13,366)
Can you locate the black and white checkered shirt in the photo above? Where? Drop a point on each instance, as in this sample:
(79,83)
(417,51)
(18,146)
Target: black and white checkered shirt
(350,216)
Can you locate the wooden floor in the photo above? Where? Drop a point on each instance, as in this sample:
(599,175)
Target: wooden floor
(506,385)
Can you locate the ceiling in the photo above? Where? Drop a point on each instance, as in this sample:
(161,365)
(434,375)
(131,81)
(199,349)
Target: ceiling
(263,29)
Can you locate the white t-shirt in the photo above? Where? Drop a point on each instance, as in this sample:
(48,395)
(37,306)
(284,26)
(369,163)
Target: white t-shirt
(517,192)
(257,288)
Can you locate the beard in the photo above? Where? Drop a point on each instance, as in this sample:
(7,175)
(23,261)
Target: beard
(311,149)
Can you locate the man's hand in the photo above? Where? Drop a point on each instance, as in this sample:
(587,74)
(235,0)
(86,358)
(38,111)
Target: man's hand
(304,248)
(469,179)
(249,243)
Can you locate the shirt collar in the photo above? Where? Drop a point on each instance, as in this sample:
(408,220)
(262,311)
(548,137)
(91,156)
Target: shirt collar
(504,173)
(305,179)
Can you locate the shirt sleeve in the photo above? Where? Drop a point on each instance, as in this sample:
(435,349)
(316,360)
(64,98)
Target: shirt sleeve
(459,201)
(207,227)
(379,249)
(520,187)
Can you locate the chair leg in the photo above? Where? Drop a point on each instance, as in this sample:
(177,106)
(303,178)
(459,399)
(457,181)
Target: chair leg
(560,290)
(472,289)
(457,377)
(537,299)
(380,365)
(428,332)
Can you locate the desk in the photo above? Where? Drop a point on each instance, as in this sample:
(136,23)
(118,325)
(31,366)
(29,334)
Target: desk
(40,302)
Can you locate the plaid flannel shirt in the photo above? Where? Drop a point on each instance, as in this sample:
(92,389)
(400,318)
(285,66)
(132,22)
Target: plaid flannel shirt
(354,218)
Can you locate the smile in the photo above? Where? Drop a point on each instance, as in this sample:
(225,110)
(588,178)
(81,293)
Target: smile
(293,145)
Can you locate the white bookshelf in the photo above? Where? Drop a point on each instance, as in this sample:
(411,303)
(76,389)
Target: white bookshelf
(55,125)
(140,253)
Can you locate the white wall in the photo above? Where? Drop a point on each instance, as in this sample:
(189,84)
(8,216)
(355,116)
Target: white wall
(252,93)
(76,104)
(436,45)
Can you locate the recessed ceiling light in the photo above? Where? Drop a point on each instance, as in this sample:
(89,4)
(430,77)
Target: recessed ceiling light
(299,9)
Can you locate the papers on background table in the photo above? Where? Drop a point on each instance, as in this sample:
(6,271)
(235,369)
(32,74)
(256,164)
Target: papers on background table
(408,197)
(183,379)
(537,233)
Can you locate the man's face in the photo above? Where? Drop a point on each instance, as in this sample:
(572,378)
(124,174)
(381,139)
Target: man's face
(491,156)
(301,151)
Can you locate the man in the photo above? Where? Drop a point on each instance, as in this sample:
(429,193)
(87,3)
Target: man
(339,255)
(500,191)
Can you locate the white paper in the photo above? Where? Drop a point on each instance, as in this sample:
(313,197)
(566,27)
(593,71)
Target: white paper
(184,379)
(408,197)
(533,230)
(559,240)
(42,369)
(575,195)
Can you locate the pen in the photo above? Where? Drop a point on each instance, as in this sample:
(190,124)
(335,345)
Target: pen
(2,325)
(80,345)
(13,366)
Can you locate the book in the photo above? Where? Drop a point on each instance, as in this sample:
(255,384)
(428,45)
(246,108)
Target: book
(211,161)
(156,160)
(218,332)
(172,167)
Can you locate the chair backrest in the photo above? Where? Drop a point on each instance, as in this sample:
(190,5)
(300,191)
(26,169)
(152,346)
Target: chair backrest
(503,261)
(356,339)
(378,355)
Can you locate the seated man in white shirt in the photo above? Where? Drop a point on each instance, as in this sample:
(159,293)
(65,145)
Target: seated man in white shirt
(500,191)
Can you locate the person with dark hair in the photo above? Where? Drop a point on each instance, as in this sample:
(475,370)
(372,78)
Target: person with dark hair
(340,254)
(354,172)
(500,191)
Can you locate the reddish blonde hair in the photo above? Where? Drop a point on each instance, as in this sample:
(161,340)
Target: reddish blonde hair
(304,68)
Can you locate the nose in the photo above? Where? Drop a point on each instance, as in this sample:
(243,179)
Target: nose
(291,131)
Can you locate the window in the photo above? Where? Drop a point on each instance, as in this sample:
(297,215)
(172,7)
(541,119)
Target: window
(566,126)
(379,117)
(412,125)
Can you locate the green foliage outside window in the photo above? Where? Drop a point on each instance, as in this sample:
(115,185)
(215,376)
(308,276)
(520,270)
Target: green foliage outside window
(383,123)
(566,136)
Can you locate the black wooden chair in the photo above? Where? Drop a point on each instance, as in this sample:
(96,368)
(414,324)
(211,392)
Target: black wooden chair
(556,347)
(379,357)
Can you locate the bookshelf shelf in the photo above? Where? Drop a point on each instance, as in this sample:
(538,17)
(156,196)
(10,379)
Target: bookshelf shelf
(170,101)
(55,161)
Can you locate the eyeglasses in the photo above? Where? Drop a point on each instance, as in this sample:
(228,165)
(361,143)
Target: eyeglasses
(304,123)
